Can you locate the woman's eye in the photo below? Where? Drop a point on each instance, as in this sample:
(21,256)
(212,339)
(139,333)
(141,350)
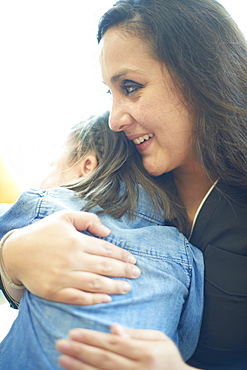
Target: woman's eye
(129,88)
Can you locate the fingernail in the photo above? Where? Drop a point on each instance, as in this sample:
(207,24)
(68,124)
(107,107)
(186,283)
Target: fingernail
(126,287)
(105,229)
(106,299)
(62,344)
(131,259)
(120,330)
(136,271)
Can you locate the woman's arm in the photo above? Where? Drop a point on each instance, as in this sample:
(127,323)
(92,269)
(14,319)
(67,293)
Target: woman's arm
(55,261)
(133,349)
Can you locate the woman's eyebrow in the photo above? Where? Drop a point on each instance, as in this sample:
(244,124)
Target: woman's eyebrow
(122,73)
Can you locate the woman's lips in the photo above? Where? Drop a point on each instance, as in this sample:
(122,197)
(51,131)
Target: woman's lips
(144,145)
(141,139)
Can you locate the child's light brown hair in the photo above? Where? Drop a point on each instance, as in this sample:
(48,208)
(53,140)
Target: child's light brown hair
(113,184)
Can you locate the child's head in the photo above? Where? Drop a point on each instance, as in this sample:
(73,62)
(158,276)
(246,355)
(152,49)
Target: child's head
(89,144)
(105,167)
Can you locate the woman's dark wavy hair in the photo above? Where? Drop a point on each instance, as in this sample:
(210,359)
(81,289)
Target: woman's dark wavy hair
(113,184)
(206,55)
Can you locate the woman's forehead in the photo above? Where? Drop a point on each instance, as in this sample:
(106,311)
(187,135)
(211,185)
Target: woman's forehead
(122,53)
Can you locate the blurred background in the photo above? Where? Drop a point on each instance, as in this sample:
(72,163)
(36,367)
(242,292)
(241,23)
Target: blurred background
(50,80)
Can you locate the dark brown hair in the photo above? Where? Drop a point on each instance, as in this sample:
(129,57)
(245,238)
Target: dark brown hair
(206,55)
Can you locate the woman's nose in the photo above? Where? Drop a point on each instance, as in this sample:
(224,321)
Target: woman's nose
(119,119)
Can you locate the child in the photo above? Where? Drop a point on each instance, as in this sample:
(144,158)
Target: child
(100,171)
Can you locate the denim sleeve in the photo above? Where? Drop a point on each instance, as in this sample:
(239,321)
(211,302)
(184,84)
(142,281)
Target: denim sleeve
(17,215)
(190,323)
(21,213)
(4,207)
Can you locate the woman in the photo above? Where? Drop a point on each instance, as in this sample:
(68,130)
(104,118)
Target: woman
(192,60)
(177,74)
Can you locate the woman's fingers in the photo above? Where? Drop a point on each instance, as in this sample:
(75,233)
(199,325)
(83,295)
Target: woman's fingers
(71,363)
(90,289)
(142,334)
(92,355)
(86,221)
(104,351)
(94,283)
(97,341)
(103,265)
(91,222)
(103,248)
(79,297)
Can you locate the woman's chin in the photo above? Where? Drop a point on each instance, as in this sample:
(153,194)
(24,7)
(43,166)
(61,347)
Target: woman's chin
(154,170)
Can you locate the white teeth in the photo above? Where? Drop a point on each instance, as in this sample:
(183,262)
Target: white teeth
(140,139)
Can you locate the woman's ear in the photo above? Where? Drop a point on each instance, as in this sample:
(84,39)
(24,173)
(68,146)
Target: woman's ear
(87,165)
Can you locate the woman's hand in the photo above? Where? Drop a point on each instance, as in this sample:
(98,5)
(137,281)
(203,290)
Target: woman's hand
(123,349)
(54,261)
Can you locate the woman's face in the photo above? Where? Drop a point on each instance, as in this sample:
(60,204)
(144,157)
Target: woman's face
(145,103)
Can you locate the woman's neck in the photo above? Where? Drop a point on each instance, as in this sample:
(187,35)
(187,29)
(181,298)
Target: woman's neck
(192,186)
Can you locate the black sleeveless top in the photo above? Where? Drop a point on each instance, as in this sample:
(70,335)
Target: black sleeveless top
(220,232)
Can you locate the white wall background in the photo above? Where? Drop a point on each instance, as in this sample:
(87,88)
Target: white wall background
(49,76)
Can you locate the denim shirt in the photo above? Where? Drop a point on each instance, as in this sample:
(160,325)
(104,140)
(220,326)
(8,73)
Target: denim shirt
(168,295)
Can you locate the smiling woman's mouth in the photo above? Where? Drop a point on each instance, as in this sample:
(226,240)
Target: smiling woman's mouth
(141,139)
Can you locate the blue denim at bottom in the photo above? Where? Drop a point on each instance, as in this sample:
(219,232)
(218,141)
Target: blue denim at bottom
(168,296)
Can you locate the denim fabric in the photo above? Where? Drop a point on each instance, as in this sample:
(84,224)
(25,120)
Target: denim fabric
(168,296)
